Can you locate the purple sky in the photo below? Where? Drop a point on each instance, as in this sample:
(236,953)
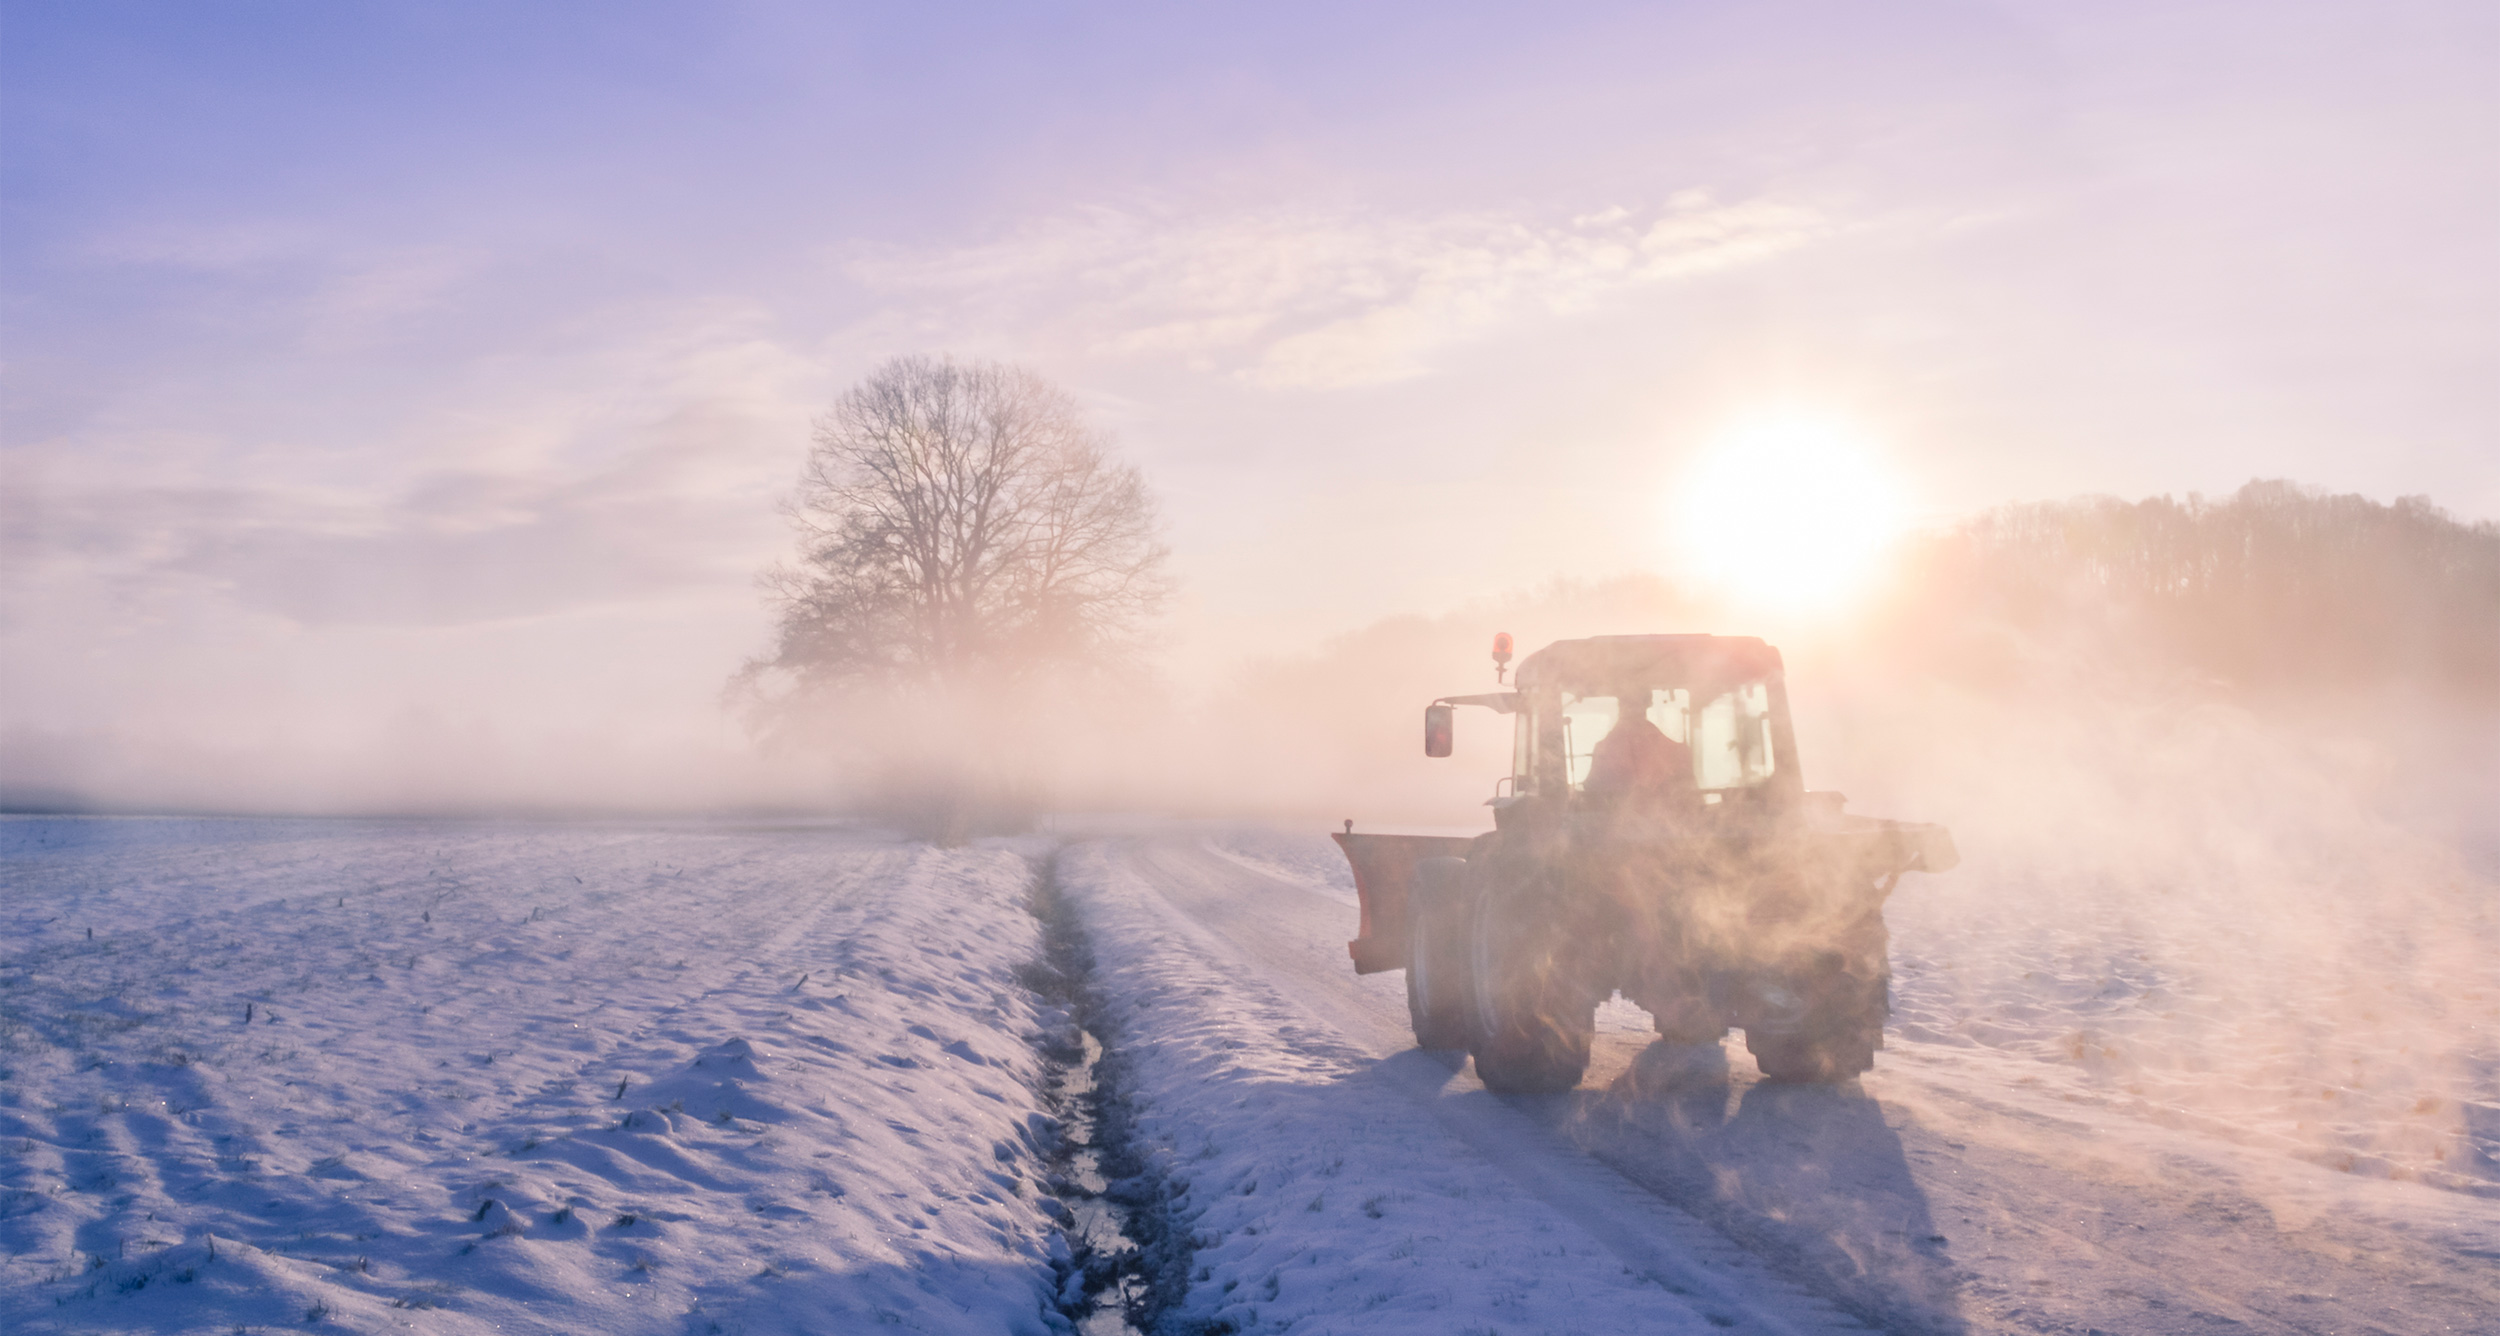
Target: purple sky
(392,387)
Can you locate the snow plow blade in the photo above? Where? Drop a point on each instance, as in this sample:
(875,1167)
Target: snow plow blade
(1934,846)
(1384,871)
(1886,848)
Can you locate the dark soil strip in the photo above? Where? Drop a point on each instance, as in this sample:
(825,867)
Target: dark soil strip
(1126,1263)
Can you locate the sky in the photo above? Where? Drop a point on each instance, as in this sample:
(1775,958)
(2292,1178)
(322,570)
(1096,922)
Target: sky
(397,397)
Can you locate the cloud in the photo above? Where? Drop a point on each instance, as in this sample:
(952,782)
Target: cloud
(366,301)
(457,546)
(1297,300)
(648,466)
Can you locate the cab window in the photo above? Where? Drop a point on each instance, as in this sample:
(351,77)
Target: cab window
(1732,739)
(1585,719)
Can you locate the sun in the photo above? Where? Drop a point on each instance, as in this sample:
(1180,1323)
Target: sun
(1786,512)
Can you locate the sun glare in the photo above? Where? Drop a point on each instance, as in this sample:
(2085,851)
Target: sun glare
(1786,512)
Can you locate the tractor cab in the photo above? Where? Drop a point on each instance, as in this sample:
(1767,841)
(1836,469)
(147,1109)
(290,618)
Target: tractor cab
(1667,721)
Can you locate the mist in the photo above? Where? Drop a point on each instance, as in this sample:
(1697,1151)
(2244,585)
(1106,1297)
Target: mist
(2242,812)
(2224,775)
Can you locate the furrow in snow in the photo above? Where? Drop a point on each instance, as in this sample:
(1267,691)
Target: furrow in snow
(1332,1188)
(521,1077)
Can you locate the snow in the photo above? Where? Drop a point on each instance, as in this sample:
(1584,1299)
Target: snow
(764,1077)
(507,1077)
(1288,856)
(1996,1185)
(1330,1191)
(2354,1027)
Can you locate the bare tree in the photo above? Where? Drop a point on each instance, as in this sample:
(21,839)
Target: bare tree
(963,529)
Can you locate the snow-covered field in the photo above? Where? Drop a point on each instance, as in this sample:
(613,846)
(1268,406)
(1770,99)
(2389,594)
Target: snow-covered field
(1326,1190)
(2356,1028)
(1986,1178)
(2353,1028)
(697,1077)
(460,1077)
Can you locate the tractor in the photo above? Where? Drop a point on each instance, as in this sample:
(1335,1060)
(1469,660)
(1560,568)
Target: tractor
(1654,837)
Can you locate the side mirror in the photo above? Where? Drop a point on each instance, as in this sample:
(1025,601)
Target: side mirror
(1438,722)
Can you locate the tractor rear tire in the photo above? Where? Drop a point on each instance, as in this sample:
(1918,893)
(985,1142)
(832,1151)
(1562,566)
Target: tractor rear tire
(1844,1023)
(1690,1028)
(1812,1059)
(1534,1019)
(1440,1000)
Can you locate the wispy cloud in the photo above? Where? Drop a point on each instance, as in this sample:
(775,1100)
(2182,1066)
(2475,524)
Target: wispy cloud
(1308,300)
(647,465)
(459,547)
(367,301)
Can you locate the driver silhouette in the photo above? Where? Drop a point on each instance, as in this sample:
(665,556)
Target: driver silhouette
(1637,763)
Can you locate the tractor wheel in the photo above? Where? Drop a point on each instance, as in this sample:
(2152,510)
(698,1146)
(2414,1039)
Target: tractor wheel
(1812,1059)
(1438,998)
(1534,1018)
(1844,1025)
(1688,1021)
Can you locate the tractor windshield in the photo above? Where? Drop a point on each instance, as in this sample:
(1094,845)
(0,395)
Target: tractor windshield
(1728,736)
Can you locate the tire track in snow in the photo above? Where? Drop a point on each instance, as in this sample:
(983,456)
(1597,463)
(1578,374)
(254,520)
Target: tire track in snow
(1270,942)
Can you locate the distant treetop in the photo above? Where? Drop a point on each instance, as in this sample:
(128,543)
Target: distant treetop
(2275,586)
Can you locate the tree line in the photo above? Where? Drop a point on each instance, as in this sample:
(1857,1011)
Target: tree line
(2275,587)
